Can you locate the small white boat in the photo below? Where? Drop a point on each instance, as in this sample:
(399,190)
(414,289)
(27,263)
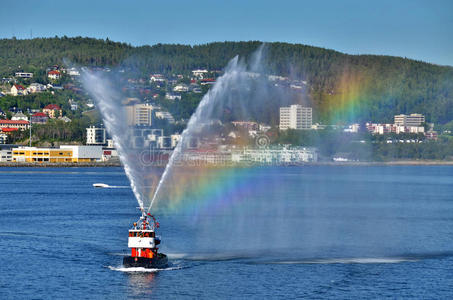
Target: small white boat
(100,185)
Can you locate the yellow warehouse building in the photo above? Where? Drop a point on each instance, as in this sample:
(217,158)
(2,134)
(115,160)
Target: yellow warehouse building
(64,154)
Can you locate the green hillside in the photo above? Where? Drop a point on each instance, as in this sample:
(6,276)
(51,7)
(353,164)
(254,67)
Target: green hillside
(342,88)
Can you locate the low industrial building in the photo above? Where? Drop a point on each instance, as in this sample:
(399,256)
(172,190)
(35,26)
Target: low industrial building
(64,154)
(84,153)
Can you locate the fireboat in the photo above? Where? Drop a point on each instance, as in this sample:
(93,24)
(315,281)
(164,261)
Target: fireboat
(143,243)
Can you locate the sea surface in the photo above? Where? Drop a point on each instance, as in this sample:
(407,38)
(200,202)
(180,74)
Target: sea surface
(341,232)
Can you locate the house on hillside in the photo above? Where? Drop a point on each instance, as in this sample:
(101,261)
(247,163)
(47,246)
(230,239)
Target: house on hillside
(23,75)
(53,111)
(18,89)
(73,72)
(19,116)
(181,88)
(54,74)
(157,78)
(200,73)
(170,96)
(73,104)
(36,88)
(10,125)
(207,81)
(65,119)
(39,118)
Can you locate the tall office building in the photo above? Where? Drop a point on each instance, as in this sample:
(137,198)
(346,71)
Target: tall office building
(295,117)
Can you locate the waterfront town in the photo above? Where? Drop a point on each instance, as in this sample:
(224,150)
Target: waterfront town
(153,127)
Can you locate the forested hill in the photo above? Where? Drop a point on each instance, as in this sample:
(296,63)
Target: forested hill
(347,87)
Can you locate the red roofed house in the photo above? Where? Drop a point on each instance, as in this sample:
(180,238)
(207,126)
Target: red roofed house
(53,111)
(17,89)
(39,118)
(54,74)
(10,125)
(207,81)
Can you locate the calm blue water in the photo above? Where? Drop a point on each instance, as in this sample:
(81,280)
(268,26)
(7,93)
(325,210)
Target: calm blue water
(312,232)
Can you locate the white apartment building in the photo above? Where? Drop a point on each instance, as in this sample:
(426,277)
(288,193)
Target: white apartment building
(276,156)
(295,117)
(139,114)
(389,128)
(412,120)
(96,135)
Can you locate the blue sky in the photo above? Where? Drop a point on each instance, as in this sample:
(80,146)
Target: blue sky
(421,30)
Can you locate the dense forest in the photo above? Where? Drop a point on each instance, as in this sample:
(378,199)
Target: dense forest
(341,86)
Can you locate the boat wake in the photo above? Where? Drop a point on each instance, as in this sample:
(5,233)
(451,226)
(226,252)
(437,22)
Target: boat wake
(358,260)
(142,270)
(210,256)
(106,186)
(256,258)
(118,187)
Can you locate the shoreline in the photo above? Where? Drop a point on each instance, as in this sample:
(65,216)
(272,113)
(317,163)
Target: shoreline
(327,163)
(389,163)
(59,165)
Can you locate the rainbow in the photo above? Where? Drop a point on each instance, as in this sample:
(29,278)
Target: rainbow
(201,190)
(205,190)
(348,100)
